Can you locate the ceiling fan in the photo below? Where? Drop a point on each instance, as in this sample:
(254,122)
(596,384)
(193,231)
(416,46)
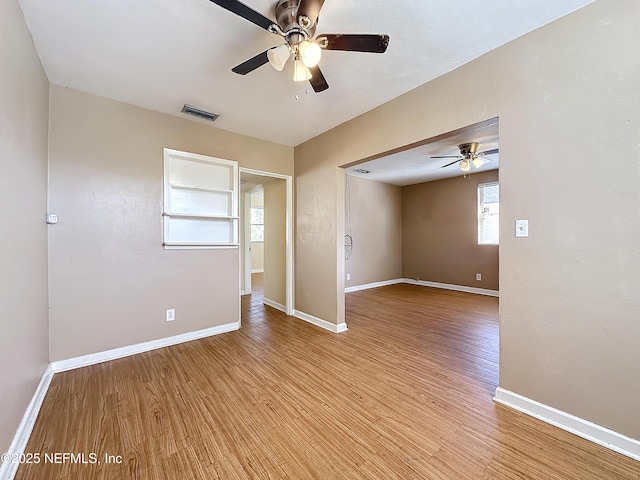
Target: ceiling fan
(469,155)
(296,24)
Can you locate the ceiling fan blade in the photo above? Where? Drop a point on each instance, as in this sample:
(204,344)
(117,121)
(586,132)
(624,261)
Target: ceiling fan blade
(245,12)
(310,9)
(448,156)
(354,43)
(317,80)
(489,152)
(452,163)
(251,64)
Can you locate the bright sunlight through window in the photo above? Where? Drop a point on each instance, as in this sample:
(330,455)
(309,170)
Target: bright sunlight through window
(488,213)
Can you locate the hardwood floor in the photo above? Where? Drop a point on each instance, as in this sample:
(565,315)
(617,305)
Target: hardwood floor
(405,393)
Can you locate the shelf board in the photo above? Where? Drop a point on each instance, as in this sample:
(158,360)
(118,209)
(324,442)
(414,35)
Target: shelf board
(200,244)
(199,189)
(196,215)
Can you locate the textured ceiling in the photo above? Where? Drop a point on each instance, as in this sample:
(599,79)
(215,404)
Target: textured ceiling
(415,165)
(161,54)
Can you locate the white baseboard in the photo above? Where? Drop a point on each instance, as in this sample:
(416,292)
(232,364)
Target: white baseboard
(448,286)
(8,470)
(95,358)
(583,428)
(366,286)
(19,443)
(318,322)
(276,305)
(258,270)
(425,283)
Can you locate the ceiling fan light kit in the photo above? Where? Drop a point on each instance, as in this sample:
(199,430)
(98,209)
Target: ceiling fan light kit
(296,22)
(478,162)
(278,56)
(469,155)
(300,70)
(311,53)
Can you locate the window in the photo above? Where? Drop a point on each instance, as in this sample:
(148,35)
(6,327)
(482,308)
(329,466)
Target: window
(257,224)
(200,201)
(488,213)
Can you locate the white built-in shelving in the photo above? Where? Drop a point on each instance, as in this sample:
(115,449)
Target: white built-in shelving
(200,201)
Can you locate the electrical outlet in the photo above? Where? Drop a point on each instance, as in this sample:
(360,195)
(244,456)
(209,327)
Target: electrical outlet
(478,276)
(348,276)
(171,314)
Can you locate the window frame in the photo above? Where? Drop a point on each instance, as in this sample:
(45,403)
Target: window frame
(251,224)
(482,236)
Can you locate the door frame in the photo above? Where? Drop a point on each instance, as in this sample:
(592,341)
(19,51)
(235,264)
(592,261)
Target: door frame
(246,268)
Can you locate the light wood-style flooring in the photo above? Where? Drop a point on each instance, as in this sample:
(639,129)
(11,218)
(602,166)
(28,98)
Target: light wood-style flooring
(405,393)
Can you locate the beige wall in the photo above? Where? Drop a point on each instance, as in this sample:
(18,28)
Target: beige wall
(257,256)
(275,229)
(440,233)
(376,229)
(567,98)
(111,279)
(24,91)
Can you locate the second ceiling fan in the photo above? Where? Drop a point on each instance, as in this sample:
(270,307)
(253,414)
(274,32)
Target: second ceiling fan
(469,155)
(296,22)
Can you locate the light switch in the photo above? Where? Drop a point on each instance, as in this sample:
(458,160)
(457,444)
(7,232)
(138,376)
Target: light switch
(522,228)
(52,218)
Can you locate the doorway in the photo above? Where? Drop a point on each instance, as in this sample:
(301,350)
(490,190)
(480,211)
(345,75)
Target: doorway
(428,215)
(266,236)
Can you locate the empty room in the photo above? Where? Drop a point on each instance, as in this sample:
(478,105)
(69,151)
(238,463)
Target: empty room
(381,339)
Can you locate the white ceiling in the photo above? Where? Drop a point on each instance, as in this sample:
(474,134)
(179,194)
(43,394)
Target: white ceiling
(416,165)
(161,54)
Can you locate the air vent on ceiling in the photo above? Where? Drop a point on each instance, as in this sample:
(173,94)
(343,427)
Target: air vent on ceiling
(363,171)
(198,112)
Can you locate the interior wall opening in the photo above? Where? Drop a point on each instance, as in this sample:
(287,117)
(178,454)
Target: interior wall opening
(426,214)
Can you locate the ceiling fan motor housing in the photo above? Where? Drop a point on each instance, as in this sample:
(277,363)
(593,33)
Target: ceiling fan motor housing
(286,16)
(296,22)
(469,149)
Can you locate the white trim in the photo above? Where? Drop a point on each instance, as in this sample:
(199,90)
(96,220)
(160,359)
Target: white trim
(99,357)
(447,286)
(257,270)
(276,305)
(318,322)
(366,286)
(20,439)
(201,246)
(289,247)
(289,232)
(245,261)
(424,283)
(232,218)
(583,428)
